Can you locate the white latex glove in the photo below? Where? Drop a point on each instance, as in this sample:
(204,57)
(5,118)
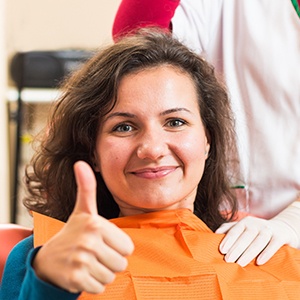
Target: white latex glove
(258,238)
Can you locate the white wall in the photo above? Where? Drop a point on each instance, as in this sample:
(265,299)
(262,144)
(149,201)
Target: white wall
(4,169)
(27,25)
(52,24)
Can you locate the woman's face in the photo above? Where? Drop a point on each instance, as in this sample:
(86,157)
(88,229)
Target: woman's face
(151,148)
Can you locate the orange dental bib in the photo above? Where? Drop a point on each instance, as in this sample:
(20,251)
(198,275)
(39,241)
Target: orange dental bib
(176,257)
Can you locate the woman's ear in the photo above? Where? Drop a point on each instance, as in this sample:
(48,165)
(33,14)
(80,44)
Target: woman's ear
(207,146)
(95,164)
(96,168)
(207,150)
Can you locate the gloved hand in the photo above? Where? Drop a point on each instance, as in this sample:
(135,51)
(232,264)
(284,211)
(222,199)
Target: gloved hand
(258,238)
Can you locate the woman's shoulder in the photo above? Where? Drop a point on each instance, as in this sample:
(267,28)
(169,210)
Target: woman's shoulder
(19,279)
(21,250)
(15,269)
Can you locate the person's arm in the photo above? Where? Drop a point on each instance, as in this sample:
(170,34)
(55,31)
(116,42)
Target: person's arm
(258,238)
(35,288)
(19,280)
(83,256)
(133,14)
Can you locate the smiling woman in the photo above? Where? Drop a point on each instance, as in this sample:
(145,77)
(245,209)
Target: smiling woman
(121,109)
(146,129)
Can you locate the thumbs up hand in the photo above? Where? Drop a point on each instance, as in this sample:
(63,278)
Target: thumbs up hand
(89,250)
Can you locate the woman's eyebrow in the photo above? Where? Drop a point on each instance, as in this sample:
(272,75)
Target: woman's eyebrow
(176,109)
(130,115)
(119,114)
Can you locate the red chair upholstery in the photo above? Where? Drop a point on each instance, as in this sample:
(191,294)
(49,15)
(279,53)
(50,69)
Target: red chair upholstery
(10,235)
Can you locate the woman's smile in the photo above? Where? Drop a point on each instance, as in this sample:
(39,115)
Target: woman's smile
(154,173)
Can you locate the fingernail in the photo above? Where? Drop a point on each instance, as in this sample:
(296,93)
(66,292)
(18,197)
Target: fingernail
(223,248)
(242,263)
(260,261)
(227,259)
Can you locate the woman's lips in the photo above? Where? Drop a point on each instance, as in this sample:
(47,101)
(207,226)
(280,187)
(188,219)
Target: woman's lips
(154,173)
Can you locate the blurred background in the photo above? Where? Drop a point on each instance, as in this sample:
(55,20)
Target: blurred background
(34,37)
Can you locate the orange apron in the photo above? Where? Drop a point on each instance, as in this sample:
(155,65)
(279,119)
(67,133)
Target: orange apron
(176,257)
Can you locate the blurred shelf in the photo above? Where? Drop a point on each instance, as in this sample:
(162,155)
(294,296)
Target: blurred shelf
(33,95)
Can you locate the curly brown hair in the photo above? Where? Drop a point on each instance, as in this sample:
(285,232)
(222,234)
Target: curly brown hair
(91,92)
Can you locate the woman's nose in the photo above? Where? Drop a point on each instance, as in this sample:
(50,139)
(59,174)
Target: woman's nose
(152,145)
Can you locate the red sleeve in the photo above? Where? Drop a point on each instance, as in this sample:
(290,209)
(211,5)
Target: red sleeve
(141,13)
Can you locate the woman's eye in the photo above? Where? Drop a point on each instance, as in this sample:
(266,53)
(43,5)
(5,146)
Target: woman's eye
(123,128)
(176,122)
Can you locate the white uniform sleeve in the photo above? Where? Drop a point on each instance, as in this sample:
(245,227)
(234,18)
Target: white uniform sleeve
(193,22)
